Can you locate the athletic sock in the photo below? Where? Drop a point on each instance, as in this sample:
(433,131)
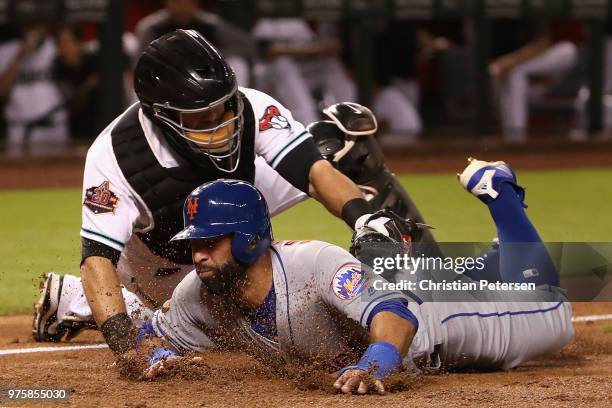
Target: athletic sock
(523,255)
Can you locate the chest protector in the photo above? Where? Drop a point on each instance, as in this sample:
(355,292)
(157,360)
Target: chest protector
(164,190)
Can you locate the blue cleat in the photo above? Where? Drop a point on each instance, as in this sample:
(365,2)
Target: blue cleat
(483,179)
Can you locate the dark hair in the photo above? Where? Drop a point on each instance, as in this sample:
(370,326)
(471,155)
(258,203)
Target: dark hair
(75,29)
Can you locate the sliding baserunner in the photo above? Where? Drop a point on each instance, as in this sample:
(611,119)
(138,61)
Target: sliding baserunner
(310,300)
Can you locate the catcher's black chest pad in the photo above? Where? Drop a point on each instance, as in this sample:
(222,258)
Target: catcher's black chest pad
(164,190)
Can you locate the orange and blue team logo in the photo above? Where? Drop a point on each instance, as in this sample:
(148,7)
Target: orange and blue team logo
(192,206)
(349,281)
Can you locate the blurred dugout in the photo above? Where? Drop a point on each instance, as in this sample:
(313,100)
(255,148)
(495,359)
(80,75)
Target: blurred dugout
(414,76)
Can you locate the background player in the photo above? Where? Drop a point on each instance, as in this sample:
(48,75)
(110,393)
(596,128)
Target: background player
(143,165)
(32,103)
(297,300)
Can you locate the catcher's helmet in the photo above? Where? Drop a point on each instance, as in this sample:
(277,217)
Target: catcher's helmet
(224,207)
(184,84)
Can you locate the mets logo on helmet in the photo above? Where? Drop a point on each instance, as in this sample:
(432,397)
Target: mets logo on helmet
(192,206)
(349,281)
(272,119)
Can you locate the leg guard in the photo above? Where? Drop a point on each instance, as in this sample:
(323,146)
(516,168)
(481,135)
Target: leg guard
(361,160)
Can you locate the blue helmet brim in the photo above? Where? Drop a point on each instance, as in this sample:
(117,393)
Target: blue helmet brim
(193,232)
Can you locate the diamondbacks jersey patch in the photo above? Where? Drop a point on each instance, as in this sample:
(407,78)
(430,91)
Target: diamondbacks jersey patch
(349,281)
(272,119)
(100,199)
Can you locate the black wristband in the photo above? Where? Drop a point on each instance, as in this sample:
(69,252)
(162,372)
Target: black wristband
(354,209)
(118,333)
(295,166)
(95,248)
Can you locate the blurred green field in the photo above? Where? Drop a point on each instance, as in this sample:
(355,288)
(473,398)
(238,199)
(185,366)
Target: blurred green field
(39,230)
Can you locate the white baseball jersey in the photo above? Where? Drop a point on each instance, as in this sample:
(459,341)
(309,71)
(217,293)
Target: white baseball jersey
(113,210)
(35,93)
(312,308)
(294,79)
(295,30)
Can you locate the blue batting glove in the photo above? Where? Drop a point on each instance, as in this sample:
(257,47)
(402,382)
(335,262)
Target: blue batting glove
(161,353)
(380,359)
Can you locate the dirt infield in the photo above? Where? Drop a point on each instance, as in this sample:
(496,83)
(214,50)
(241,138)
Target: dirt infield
(579,375)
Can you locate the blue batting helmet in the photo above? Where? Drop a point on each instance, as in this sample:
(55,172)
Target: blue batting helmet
(224,207)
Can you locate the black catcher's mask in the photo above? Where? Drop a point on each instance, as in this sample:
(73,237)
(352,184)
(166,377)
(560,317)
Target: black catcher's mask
(184,84)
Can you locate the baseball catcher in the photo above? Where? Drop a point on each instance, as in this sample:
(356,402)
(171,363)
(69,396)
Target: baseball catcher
(192,125)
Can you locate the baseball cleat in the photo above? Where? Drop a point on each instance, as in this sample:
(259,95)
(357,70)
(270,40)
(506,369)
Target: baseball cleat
(46,325)
(45,310)
(483,179)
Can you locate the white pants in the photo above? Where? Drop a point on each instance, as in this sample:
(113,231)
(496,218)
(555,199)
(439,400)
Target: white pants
(139,269)
(392,106)
(74,303)
(515,91)
(292,82)
(38,140)
(583,96)
(241,69)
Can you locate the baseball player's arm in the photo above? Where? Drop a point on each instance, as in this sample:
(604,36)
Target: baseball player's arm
(178,327)
(288,148)
(349,286)
(395,330)
(102,288)
(103,293)
(390,338)
(108,215)
(8,77)
(336,192)
(503,65)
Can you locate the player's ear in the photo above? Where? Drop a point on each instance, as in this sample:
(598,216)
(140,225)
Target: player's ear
(253,243)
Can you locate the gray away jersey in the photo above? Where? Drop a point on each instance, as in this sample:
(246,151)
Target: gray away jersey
(323,300)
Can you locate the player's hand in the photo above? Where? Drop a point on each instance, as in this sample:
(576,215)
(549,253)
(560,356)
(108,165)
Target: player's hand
(160,368)
(31,41)
(160,360)
(359,381)
(502,67)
